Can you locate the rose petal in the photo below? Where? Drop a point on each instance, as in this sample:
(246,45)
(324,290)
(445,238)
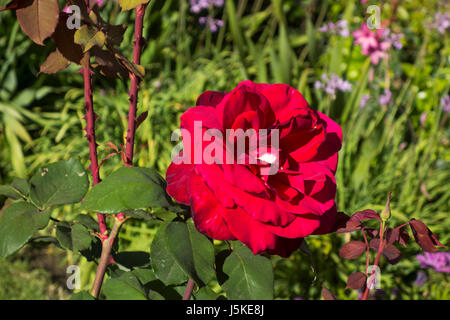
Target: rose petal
(206,211)
(300,227)
(210,98)
(283,100)
(178,176)
(249,231)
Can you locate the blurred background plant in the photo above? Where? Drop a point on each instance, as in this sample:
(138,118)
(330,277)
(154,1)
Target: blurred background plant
(393,113)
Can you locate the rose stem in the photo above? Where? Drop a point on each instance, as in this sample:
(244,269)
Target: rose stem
(189,289)
(90,134)
(133,94)
(367,252)
(105,257)
(377,259)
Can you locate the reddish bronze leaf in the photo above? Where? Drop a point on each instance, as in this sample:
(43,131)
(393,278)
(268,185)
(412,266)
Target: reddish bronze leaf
(141,118)
(352,249)
(55,62)
(64,40)
(391,235)
(390,252)
(112,146)
(371,232)
(403,237)
(16,4)
(134,69)
(426,239)
(397,234)
(108,65)
(367,214)
(327,294)
(356,280)
(39,19)
(350,226)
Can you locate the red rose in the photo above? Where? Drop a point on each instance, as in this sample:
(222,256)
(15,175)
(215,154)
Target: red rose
(274,193)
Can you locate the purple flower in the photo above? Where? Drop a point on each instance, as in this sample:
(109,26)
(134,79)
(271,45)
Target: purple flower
(318,85)
(441,22)
(199,5)
(339,28)
(393,38)
(439,261)
(212,23)
(364,99)
(445,102)
(423,118)
(420,279)
(386,97)
(332,83)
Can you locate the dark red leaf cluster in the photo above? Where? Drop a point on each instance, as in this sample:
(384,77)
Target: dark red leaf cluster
(352,249)
(356,280)
(327,294)
(426,239)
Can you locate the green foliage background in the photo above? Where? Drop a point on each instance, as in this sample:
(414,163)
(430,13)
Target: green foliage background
(384,149)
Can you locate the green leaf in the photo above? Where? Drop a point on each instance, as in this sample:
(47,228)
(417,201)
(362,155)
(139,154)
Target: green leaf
(18,189)
(163,263)
(9,192)
(87,37)
(139,214)
(22,186)
(75,237)
(94,252)
(81,238)
(87,221)
(250,277)
(82,295)
(206,293)
(144,275)
(63,234)
(191,250)
(17,224)
(131,4)
(129,188)
(132,259)
(45,240)
(124,287)
(59,183)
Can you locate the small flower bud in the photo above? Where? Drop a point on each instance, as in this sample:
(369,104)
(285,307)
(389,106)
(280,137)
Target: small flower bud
(386,213)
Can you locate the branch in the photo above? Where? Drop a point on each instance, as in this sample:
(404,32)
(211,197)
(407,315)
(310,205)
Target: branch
(105,257)
(133,94)
(189,289)
(90,135)
(377,259)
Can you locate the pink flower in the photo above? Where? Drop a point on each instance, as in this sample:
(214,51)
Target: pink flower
(372,43)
